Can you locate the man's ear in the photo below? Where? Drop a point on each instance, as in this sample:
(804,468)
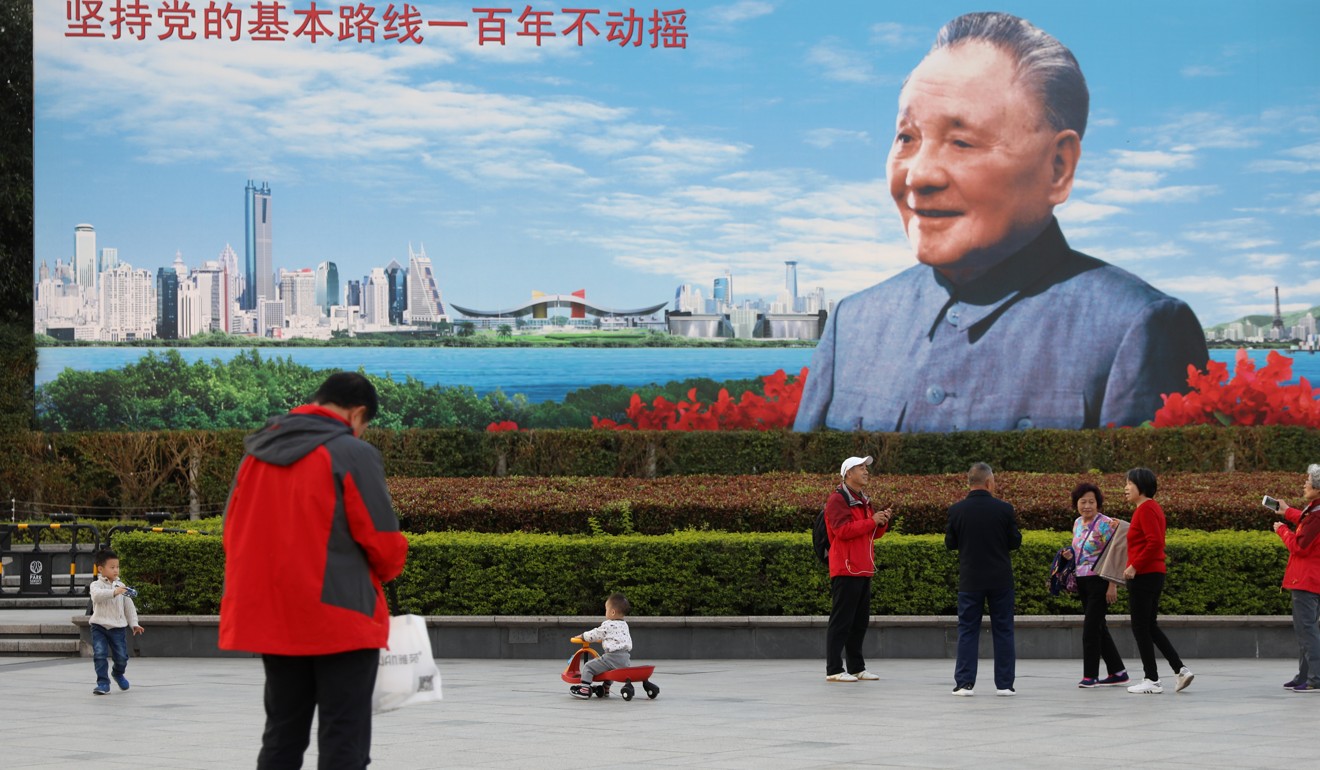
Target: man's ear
(1067,152)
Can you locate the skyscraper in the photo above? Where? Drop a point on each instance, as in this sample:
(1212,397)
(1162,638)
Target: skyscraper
(353,294)
(298,293)
(376,299)
(398,278)
(167,304)
(790,283)
(259,275)
(424,304)
(721,293)
(84,256)
(327,286)
(128,304)
(109,259)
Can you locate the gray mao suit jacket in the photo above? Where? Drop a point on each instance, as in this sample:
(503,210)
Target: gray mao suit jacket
(1048,338)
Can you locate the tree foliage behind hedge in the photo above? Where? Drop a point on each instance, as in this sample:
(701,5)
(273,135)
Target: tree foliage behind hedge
(709,574)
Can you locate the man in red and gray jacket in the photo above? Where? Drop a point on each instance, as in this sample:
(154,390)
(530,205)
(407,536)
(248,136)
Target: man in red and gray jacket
(853,527)
(310,535)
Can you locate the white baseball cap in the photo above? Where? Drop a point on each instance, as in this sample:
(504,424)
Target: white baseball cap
(853,462)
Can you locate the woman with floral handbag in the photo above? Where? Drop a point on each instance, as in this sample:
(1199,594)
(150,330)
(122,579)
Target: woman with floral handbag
(1093,532)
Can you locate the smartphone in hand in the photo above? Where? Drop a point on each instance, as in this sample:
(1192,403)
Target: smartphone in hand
(1271,503)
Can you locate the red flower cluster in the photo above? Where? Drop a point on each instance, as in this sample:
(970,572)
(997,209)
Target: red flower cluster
(1251,398)
(776,409)
(500,427)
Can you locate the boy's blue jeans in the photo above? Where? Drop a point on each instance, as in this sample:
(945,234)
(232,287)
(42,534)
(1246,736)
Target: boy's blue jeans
(111,642)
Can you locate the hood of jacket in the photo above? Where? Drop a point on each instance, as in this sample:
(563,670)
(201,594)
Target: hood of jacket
(290,437)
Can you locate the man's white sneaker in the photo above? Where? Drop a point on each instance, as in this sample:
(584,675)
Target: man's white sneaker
(1146,687)
(963,690)
(842,676)
(867,676)
(1007,693)
(1185,677)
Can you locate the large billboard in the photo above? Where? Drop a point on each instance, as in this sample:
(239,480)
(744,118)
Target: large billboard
(968,254)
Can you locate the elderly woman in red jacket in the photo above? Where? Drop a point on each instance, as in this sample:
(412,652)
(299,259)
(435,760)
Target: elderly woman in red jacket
(1302,579)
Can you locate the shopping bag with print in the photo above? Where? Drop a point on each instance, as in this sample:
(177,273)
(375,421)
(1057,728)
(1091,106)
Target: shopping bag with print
(407,672)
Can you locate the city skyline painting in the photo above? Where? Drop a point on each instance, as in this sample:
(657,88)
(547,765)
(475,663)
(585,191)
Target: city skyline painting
(563,156)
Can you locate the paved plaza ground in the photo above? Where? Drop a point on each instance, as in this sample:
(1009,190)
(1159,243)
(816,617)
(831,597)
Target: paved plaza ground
(191,713)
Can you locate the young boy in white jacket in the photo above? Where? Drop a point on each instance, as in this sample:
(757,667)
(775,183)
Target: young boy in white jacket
(113,613)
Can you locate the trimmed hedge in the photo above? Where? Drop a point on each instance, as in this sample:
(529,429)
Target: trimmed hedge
(108,471)
(789,502)
(709,573)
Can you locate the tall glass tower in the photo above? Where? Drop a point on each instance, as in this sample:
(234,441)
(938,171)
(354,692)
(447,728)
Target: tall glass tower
(258,269)
(167,304)
(327,286)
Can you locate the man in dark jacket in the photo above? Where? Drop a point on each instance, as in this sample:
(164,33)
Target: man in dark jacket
(310,534)
(982,529)
(853,527)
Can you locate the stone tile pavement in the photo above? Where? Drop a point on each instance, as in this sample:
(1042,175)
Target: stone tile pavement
(190,713)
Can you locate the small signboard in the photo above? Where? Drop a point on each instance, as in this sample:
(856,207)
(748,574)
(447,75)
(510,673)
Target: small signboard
(36,573)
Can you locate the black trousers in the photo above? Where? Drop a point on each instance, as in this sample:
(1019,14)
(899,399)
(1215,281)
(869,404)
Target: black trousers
(850,614)
(338,689)
(1096,640)
(1144,602)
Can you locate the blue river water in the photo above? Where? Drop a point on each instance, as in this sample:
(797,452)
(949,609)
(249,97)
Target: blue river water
(541,374)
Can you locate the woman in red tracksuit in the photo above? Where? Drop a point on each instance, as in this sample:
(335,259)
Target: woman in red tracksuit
(1145,582)
(853,527)
(1302,579)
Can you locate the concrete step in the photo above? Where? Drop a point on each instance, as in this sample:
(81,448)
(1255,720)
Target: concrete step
(44,639)
(75,603)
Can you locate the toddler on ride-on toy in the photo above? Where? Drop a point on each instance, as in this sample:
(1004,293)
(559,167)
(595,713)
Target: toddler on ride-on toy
(615,664)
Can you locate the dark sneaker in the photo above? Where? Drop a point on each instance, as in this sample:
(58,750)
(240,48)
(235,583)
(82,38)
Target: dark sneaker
(101,690)
(1291,683)
(1306,687)
(580,690)
(122,681)
(964,690)
(1088,682)
(1114,679)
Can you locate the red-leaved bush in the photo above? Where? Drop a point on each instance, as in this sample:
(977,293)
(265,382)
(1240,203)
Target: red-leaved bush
(775,409)
(789,502)
(1251,397)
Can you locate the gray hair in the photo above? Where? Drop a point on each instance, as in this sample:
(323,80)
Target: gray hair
(1313,471)
(1043,63)
(979,475)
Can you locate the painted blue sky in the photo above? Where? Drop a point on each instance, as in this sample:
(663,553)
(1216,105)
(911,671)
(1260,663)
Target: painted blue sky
(626,171)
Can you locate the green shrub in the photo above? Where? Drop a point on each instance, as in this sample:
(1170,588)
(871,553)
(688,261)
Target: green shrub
(713,573)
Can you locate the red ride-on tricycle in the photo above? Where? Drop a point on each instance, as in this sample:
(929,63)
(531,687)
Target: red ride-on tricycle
(601,685)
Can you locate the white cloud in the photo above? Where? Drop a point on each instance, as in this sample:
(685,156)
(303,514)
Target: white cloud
(1173,194)
(745,10)
(836,62)
(1267,260)
(896,36)
(1079,212)
(1241,234)
(1225,286)
(1153,159)
(827,137)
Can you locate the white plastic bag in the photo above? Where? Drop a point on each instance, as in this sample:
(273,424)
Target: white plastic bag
(407,672)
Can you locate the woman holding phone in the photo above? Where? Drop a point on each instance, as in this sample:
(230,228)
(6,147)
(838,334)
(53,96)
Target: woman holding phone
(1302,579)
(1145,582)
